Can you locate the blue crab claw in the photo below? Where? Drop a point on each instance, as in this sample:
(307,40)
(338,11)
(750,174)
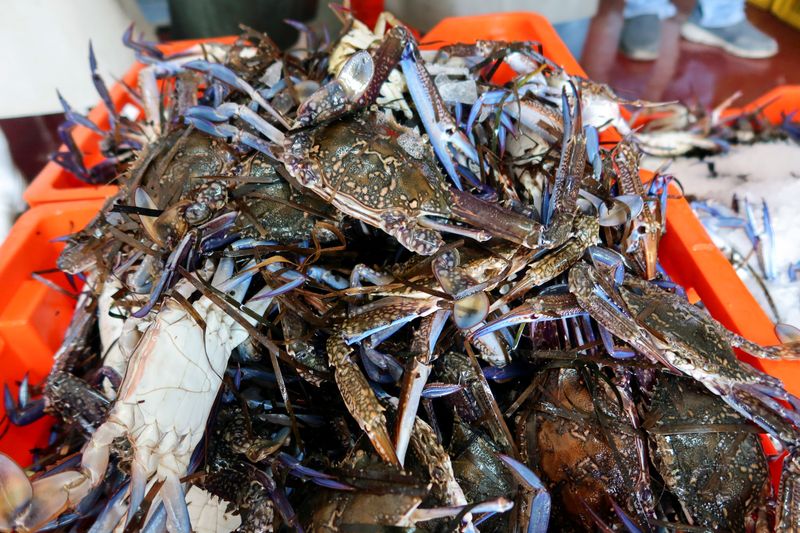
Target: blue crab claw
(142,48)
(25,412)
(451,145)
(229,110)
(539,507)
(488,98)
(609,261)
(227,76)
(236,135)
(593,150)
(613,350)
(624,208)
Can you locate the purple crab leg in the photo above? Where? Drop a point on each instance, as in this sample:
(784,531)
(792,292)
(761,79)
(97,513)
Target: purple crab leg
(227,76)
(177,257)
(315,476)
(612,349)
(539,507)
(76,118)
(102,90)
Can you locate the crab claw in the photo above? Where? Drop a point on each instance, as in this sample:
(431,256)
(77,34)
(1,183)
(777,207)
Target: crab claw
(229,110)
(540,503)
(23,412)
(451,145)
(228,77)
(236,135)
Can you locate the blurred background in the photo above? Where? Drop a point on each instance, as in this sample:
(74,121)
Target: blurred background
(56,36)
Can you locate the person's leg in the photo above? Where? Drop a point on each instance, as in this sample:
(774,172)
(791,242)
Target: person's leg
(664,9)
(641,33)
(722,23)
(718,13)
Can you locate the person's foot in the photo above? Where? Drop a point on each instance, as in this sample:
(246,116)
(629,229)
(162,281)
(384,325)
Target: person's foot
(742,39)
(641,37)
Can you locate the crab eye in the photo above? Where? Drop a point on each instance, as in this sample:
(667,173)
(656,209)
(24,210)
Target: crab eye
(356,73)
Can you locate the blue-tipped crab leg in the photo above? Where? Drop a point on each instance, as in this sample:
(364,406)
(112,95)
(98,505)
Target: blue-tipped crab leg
(23,412)
(539,504)
(451,145)
(227,76)
(560,211)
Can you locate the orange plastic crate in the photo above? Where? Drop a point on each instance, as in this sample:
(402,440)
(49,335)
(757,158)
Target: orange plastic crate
(687,253)
(53,183)
(33,316)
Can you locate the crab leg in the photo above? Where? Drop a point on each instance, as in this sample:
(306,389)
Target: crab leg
(540,308)
(788,512)
(356,392)
(644,234)
(561,211)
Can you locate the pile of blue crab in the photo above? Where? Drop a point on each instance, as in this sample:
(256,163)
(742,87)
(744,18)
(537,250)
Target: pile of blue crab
(363,287)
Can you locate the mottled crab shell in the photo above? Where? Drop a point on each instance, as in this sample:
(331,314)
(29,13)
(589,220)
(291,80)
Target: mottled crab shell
(375,170)
(717,469)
